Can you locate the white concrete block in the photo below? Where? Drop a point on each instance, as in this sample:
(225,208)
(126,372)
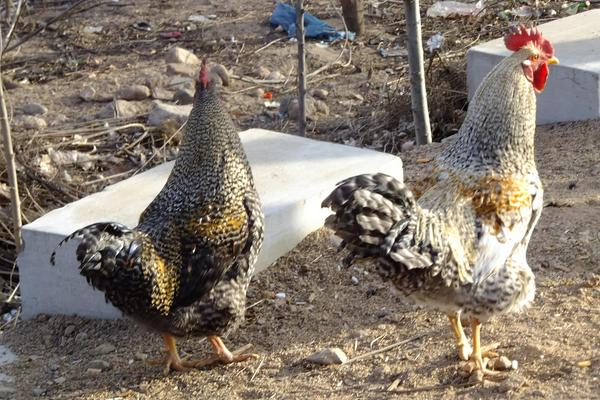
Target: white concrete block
(573,89)
(293,175)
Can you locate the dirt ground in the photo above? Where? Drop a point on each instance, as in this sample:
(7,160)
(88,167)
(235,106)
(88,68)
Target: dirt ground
(369,106)
(324,308)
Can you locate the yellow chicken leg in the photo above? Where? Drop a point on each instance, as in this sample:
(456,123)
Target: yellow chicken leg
(223,355)
(480,371)
(172,361)
(462,344)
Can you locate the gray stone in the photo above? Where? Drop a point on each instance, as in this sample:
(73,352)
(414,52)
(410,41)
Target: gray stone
(292,174)
(160,93)
(120,108)
(180,55)
(406,146)
(184,96)
(104,348)
(501,363)
(33,122)
(133,92)
(573,89)
(180,82)
(69,330)
(81,337)
(261,72)
(87,93)
(163,112)
(93,371)
(328,356)
(275,76)
(60,380)
(34,109)
(38,391)
(99,364)
(182,69)
(320,94)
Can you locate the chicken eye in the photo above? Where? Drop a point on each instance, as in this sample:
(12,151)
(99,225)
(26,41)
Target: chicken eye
(534,57)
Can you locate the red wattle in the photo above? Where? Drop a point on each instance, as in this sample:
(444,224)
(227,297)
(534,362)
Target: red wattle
(540,76)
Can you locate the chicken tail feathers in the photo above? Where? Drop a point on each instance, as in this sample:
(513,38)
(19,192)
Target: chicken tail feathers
(103,248)
(376,215)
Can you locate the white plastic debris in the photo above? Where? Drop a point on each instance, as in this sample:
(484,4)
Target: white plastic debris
(435,42)
(198,18)
(280,296)
(272,104)
(395,52)
(447,9)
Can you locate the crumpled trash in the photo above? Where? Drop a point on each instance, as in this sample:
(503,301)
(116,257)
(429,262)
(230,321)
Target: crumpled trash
(284,15)
(435,42)
(446,9)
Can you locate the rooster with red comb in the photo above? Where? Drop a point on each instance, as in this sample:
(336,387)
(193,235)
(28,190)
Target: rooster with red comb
(457,242)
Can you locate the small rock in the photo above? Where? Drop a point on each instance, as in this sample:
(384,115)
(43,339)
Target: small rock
(58,119)
(258,92)
(181,69)
(60,380)
(184,96)
(290,107)
(181,82)
(163,112)
(104,348)
(54,367)
(320,94)
(133,92)
(88,93)
(358,97)
(38,392)
(81,336)
(99,364)
(9,84)
(119,108)
(33,122)
(261,72)
(328,356)
(219,71)
(180,55)
(69,330)
(275,76)
(501,363)
(160,93)
(514,365)
(406,146)
(322,107)
(354,280)
(93,371)
(34,109)
(476,377)
(141,356)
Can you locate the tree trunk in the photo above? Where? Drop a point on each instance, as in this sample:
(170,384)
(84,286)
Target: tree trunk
(354,15)
(301,68)
(417,73)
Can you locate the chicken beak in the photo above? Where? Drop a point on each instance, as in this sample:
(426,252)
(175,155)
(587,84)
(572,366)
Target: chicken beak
(552,60)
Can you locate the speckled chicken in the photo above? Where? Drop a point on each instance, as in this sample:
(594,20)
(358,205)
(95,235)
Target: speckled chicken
(185,269)
(460,247)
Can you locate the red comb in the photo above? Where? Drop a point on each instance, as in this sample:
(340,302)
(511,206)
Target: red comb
(203,76)
(521,36)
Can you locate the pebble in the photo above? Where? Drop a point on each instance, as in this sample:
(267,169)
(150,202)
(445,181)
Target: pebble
(93,371)
(60,380)
(328,356)
(184,96)
(163,112)
(69,330)
(88,93)
(33,122)
(406,146)
(160,93)
(320,94)
(181,69)
(81,336)
(38,392)
(501,364)
(275,76)
(34,109)
(280,296)
(354,280)
(358,97)
(120,108)
(54,367)
(261,72)
(133,92)
(99,364)
(181,55)
(258,92)
(104,348)
(141,356)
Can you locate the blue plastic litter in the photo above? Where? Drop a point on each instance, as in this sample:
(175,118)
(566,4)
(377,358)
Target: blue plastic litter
(284,15)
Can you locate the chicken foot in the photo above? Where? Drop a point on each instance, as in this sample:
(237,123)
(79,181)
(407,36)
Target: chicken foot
(480,372)
(172,361)
(462,343)
(223,355)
